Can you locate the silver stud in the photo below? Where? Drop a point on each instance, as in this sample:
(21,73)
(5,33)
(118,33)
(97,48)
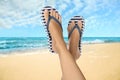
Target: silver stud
(48,38)
(51,41)
(45,28)
(50,44)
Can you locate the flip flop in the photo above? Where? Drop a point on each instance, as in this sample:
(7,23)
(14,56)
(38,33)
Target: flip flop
(76,19)
(46,24)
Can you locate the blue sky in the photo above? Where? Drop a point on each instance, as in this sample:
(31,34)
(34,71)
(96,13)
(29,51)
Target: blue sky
(21,18)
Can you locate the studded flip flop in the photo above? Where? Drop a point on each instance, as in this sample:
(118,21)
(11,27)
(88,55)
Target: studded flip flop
(46,24)
(80,30)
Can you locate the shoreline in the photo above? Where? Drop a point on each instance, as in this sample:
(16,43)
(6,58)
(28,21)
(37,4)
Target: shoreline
(24,52)
(35,50)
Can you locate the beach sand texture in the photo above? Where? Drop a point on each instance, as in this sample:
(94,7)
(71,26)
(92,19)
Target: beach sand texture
(98,62)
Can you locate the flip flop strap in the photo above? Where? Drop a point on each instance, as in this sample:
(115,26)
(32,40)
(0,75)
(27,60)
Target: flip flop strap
(51,17)
(78,28)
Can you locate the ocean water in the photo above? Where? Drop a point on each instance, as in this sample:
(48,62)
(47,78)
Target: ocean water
(8,44)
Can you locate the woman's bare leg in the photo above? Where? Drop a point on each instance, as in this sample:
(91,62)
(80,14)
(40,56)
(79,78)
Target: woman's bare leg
(70,70)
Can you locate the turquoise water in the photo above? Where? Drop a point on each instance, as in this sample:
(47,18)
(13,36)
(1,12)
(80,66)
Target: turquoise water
(13,44)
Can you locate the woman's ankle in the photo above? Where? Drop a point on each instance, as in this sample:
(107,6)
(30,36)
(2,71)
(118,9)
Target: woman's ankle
(61,48)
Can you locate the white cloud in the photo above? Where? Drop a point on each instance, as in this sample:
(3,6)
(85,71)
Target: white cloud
(76,6)
(104,8)
(91,21)
(50,2)
(67,1)
(93,6)
(21,12)
(63,6)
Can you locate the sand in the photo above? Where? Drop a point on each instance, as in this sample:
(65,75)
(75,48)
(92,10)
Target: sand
(98,62)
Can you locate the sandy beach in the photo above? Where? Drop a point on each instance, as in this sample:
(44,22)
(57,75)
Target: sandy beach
(98,62)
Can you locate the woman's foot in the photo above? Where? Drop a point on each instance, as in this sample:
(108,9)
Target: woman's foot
(55,30)
(75,36)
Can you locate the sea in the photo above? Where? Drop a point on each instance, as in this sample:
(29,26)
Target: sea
(10,44)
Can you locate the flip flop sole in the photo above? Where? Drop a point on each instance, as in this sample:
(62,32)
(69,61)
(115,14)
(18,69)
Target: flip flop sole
(75,19)
(45,24)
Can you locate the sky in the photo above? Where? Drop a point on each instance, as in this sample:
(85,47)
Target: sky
(21,18)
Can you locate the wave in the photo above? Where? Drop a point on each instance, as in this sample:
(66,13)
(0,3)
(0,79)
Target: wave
(94,41)
(12,44)
(5,41)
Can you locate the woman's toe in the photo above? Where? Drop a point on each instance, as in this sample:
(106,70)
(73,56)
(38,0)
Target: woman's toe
(60,19)
(57,15)
(51,12)
(80,24)
(54,13)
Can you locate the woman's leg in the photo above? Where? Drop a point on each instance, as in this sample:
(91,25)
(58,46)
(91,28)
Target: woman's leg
(70,70)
